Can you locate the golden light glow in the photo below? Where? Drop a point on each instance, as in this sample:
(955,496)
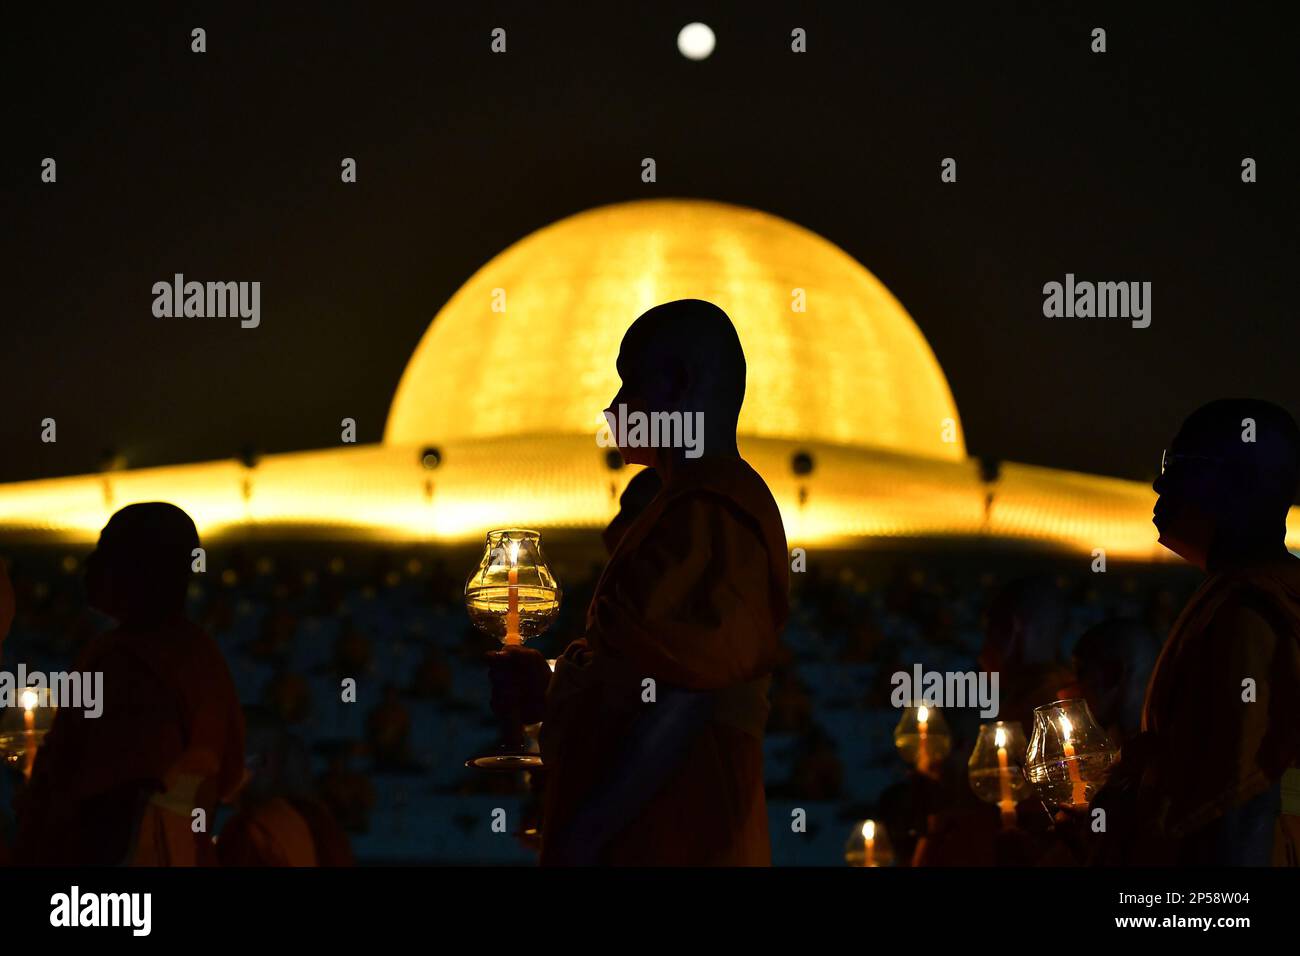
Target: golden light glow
(29,699)
(380,492)
(999,737)
(923,715)
(869,830)
(851,381)
(853,369)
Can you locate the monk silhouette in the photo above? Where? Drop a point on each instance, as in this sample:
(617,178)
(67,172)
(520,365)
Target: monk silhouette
(1212,778)
(123,787)
(653,722)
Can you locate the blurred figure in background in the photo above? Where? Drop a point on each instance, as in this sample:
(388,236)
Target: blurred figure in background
(1113,661)
(1023,634)
(288,695)
(123,787)
(388,733)
(280,822)
(349,795)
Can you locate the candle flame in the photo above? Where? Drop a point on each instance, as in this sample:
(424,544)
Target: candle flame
(1066,728)
(514,553)
(922,714)
(1000,737)
(29,699)
(869,830)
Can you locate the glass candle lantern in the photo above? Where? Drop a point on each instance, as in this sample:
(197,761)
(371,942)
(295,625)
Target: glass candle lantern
(1069,754)
(23,727)
(922,738)
(868,845)
(513,596)
(996,767)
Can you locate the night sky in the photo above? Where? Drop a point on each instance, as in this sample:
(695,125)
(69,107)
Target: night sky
(225,166)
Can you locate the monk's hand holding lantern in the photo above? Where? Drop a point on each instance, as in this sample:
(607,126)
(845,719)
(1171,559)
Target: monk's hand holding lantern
(1069,755)
(513,596)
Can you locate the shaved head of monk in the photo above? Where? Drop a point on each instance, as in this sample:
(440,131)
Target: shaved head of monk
(1227,481)
(680,357)
(140,571)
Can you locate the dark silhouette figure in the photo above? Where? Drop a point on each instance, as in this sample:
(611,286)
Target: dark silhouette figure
(1212,778)
(693,598)
(123,786)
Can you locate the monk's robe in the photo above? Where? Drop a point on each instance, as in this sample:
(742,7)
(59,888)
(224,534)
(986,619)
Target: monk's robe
(283,831)
(122,787)
(1210,750)
(694,596)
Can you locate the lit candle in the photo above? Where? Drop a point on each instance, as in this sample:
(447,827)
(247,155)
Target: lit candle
(512,591)
(869,842)
(1005,803)
(29,700)
(1078,792)
(922,748)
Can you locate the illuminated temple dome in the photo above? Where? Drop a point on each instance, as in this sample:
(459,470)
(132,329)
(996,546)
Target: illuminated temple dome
(510,399)
(850,367)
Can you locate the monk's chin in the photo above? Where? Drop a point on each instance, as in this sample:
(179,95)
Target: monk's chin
(1191,555)
(638,456)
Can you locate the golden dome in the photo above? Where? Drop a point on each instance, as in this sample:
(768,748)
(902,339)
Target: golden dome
(513,399)
(853,369)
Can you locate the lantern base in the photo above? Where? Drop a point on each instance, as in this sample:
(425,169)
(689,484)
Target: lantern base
(505,759)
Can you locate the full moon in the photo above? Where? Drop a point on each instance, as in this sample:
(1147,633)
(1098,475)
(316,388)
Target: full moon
(695,41)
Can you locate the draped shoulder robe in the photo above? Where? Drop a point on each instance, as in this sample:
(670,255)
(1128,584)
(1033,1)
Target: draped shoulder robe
(694,597)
